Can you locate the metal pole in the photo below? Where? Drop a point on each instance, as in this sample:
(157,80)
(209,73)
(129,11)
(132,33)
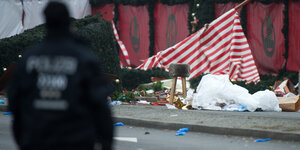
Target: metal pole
(242,4)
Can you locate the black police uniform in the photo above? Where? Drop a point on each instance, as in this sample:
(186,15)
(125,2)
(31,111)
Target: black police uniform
(57,97)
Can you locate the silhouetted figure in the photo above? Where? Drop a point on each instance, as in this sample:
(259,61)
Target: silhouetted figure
(58,93)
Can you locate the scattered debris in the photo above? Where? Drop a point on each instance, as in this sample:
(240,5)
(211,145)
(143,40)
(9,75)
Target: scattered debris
(126,139)
(115,103)
(119,124)
(289,95)
(187,107)
(143,102)
(182,131)
(262,140)
(235,107)
(289,103)
(7,113)
(178,103)
(284,87)
(169,106)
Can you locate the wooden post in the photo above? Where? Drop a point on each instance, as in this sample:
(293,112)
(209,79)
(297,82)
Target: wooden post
(242,4)
(173,89)
(184,86)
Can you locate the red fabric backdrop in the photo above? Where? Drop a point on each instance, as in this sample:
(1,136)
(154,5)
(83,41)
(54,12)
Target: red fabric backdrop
(134,32)
(106,10)
(293,63)
(265,38)
(220,9)
(170,25)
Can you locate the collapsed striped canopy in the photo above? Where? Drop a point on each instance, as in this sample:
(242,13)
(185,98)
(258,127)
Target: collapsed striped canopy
(221,48)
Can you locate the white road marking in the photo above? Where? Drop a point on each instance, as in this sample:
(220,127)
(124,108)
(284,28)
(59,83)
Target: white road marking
(126,139)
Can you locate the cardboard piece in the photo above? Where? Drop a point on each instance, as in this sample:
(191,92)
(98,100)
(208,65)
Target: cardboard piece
(289,103)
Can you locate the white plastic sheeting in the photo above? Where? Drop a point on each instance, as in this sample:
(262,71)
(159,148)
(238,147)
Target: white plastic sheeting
(34,10)
(10,18)
(78,8)
(217,89)
(11,14)
(33,13)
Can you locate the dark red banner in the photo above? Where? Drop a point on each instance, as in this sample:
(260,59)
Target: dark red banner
(106,10)
(221,8)
(293,63)
(134,32)
(264,25)
(170,25)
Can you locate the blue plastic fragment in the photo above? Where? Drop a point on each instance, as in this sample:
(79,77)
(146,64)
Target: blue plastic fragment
(2,101)
(183,130)
(299,111)
(262,140)
(180,133)
(119,124)
(115,103)
(235,107)
(7,113)
(241,108)
(11,120)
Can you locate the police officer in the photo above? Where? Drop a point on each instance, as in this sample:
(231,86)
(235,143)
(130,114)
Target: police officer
(58,93)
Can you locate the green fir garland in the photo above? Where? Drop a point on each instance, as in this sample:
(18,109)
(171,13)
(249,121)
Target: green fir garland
(132,2)
(190,17)
(116,14)
(243,17)
(205,12)
(285,32)
(268,1)
(174,2)
(151,28)
(96,33)
(140,77)
(99,2)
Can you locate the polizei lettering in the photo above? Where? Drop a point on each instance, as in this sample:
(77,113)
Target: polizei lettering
(59,64)
(52,79)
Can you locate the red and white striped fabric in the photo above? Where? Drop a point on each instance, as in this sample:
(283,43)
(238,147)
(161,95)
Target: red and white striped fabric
(122,47)
(221,48)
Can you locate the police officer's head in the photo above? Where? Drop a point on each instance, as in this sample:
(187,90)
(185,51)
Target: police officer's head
(57,16)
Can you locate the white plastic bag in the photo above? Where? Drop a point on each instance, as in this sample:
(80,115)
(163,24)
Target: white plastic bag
(210,91)
(267,100)
(189,97)
(240,95)
(169,106)
(215,89)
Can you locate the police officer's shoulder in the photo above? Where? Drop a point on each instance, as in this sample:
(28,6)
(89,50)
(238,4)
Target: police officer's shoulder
(33,49)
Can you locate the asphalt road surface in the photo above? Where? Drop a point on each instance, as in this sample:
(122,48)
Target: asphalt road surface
(136,138)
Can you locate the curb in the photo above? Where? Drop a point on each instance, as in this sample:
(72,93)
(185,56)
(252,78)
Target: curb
(210,129)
